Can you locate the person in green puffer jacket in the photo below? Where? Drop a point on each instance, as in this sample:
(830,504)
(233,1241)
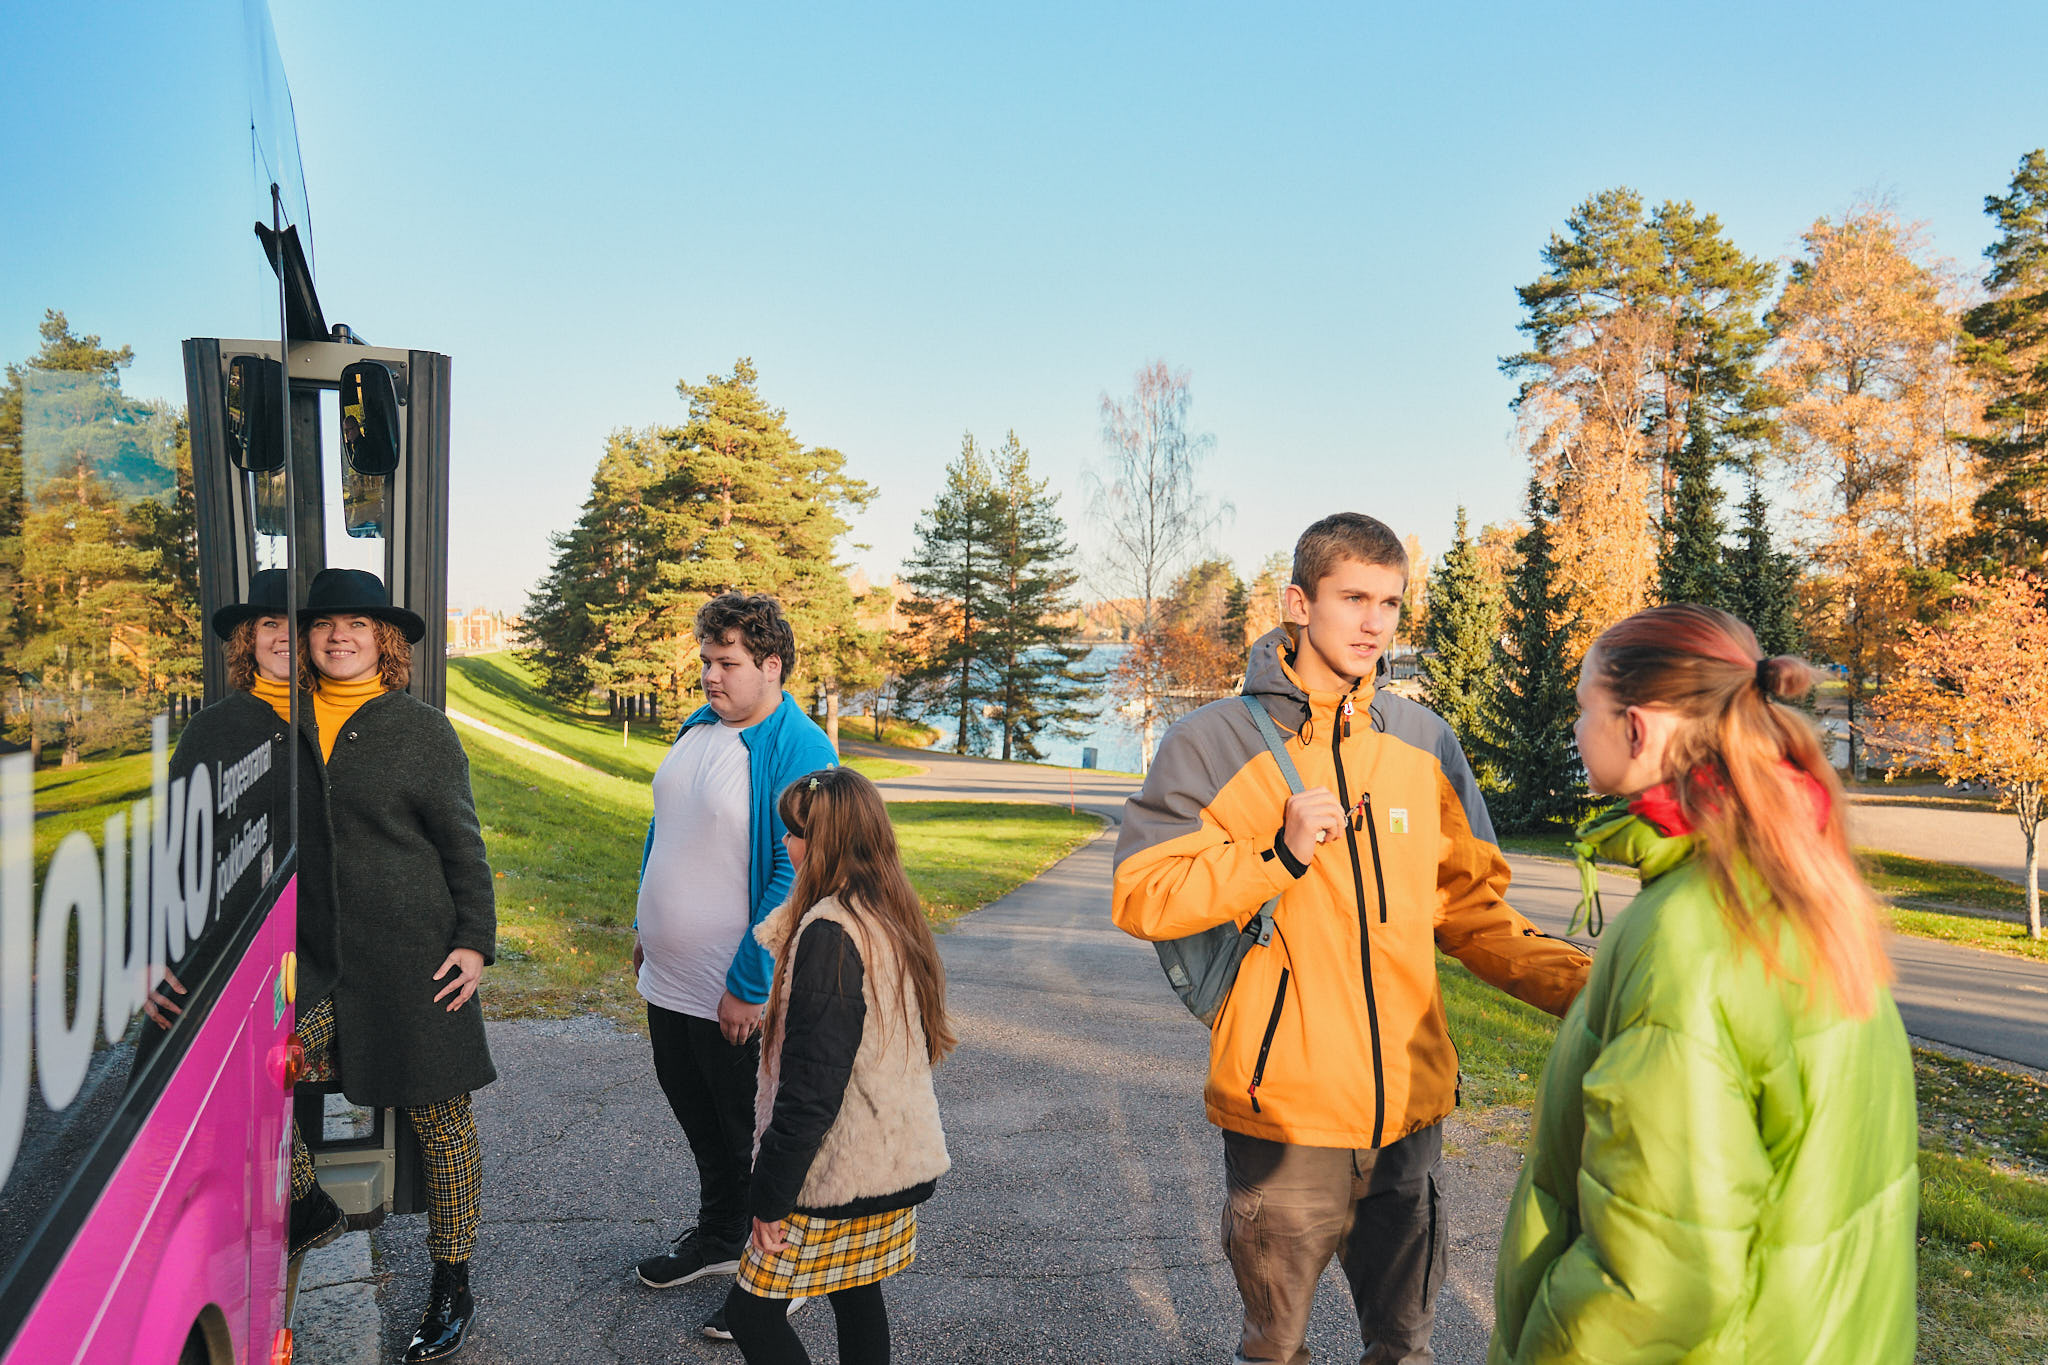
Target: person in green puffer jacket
(1723,1162)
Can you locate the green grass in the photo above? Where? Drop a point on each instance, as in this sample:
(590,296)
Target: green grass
(897,734)
(1501,1041)
(1990,935)
(963,854)
(878,769)
(82,797)
(499,689)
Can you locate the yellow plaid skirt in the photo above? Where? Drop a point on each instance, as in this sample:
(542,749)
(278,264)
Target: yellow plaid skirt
(824,1254)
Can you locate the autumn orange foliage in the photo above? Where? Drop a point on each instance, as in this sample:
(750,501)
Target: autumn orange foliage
(1971,701)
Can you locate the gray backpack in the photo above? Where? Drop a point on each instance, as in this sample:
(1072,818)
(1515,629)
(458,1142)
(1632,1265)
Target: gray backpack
(1202,967)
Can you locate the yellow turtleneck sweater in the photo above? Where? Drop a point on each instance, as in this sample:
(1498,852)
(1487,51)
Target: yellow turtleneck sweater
(334,702)
(278,694)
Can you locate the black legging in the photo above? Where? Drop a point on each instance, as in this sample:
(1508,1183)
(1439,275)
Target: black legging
(761,1327)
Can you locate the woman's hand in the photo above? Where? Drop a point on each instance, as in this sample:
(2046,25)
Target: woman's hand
(159,1007)
(469,967)
(768,1237)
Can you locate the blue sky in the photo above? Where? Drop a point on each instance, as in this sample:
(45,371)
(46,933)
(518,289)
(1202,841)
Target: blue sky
(920,221)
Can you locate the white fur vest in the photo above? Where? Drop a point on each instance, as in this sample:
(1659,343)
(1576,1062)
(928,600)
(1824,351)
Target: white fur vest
(887,1136)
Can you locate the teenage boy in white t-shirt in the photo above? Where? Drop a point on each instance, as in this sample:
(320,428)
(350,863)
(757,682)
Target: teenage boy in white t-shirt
(714,866)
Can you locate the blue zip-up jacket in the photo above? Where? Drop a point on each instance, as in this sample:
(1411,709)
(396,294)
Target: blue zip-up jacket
(780,749)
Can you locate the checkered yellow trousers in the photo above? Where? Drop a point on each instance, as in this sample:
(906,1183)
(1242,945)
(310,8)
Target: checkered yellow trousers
(448,1142)
(824,1254)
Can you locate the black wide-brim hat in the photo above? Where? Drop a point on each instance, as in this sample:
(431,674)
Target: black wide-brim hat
(357,592)
(267,595)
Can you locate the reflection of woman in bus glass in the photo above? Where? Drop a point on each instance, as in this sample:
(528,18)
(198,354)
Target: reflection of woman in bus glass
(416,914)
(258,648)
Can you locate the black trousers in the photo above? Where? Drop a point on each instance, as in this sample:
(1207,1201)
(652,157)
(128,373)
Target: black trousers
(710,1086)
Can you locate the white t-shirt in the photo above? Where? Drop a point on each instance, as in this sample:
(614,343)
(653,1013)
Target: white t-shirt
(694,897)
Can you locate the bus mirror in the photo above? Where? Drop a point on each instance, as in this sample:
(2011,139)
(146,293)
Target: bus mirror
(255,399)
(369,419)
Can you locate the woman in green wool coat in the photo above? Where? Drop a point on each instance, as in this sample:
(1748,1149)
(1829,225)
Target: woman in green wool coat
(1723,1162)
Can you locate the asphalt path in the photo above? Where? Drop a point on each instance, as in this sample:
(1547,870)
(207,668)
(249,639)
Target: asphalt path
(1080,1221)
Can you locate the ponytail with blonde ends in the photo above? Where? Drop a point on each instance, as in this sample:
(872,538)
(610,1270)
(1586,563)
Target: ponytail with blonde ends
(850,855)
(1750,776)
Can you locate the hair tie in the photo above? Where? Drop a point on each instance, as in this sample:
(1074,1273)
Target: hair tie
(814,784)
(1763,678)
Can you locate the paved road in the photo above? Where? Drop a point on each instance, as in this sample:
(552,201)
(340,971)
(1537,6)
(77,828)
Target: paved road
(1985,1002)
(1079,1223)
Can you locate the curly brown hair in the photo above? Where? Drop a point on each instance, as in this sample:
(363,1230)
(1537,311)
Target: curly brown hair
(394,656)
(758,619)
(238,651)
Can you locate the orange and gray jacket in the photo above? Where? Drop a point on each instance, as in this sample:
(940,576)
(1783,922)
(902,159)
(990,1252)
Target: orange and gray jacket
(1334,1034)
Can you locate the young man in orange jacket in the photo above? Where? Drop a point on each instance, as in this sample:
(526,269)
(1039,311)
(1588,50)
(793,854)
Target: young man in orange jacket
(1331,1069)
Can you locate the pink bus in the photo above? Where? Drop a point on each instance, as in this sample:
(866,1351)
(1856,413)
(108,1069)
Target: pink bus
(147,470)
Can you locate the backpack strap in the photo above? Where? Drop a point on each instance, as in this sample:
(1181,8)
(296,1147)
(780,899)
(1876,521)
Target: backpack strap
(1276,745)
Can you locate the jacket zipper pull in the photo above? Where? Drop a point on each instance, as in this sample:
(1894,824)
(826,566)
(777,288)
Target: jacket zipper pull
(1347,715)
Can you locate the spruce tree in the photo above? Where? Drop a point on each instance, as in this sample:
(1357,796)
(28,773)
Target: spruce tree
(747,507)
(1689,563)
(2008,350)
(1460,638)
(1535,703)
(1760,579)
(1038,686)
(953,575)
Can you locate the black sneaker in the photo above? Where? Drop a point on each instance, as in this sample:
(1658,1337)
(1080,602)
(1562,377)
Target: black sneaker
(691,1258)
(316,1221)
(715,1328)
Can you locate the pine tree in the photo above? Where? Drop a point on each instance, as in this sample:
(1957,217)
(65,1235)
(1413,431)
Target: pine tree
(591,622)
(1461,637)
(1038,686)
(1536,701)
(747,507)
(1760,579)
(2009,352)
(952,575)
(1689,564)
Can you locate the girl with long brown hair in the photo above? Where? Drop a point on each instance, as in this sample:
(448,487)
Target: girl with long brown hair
(847,1135)
(1723,1165)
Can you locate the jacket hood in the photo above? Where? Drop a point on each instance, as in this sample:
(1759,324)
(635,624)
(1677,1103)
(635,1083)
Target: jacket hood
(1269,672)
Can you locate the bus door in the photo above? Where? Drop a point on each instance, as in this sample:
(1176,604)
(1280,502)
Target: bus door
(368,454)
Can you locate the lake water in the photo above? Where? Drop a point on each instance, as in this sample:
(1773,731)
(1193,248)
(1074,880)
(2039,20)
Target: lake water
(1115,741)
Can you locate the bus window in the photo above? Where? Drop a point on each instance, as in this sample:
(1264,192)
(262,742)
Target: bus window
(145,849)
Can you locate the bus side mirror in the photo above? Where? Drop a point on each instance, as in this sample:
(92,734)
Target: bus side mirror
(369,419)
(255,401)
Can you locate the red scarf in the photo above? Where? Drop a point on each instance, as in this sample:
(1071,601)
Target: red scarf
(1659,805)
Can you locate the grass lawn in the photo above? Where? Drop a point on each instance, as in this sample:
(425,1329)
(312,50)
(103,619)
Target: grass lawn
(566,847)
(499,689)
(1983,1173)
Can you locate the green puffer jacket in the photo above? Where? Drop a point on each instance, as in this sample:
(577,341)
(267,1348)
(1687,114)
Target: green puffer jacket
(1723,1168)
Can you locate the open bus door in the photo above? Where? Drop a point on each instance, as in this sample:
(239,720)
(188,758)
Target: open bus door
(390,471)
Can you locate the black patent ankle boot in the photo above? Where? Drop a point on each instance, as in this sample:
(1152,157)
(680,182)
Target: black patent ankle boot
(450,1311)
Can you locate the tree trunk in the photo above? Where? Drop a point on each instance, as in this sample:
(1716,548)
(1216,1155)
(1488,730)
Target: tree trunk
(832,717)
(2032,830)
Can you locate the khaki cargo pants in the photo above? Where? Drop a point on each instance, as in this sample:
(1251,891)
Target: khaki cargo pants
(1290,1209)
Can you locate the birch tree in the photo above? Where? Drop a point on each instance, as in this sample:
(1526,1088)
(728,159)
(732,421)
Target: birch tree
(1150,514)
(1971,701)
